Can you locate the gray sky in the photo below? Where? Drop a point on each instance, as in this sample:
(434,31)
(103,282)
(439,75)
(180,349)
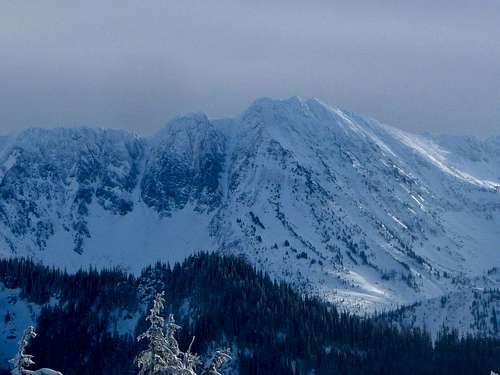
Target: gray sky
(419,65)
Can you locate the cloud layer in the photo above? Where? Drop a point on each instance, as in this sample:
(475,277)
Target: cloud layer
(425,66)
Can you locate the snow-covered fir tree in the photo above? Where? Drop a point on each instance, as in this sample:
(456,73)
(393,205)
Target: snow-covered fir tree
(157,356)
(22,360)
(220,357)
(163,355)
(190,360)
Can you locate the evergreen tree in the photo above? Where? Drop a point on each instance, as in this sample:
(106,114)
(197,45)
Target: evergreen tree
(163,355)
(190,360)
(274,329)
(220,357)
(23,360)
(171,342)
(158,355)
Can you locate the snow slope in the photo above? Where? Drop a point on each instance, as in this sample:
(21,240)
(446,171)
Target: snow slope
(337,204)
(469,311)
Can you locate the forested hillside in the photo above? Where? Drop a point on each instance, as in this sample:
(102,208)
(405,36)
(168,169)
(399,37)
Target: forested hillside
(89,321)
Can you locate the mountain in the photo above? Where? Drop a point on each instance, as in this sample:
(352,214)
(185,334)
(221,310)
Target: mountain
(337,204)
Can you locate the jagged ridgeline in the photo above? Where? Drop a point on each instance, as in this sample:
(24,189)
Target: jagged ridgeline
(89,321)
(337,204)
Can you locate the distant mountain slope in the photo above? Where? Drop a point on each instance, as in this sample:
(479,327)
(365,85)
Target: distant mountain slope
(337,204)
(469,310)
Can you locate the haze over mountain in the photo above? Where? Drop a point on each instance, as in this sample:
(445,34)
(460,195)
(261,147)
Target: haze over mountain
(337,204)
(423,66)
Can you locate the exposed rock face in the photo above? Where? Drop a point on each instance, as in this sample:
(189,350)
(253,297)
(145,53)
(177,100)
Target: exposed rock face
(184,166)
(50,177)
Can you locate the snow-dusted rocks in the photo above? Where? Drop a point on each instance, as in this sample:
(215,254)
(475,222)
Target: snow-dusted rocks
(49,178)
(335,203)
(184,166)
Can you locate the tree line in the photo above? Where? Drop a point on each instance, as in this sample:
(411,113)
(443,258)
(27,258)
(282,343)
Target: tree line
(225,302)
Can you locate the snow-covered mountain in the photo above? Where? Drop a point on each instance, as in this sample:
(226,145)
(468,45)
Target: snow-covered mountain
(337,204)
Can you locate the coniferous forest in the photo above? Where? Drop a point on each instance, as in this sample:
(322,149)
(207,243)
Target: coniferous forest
(224,302)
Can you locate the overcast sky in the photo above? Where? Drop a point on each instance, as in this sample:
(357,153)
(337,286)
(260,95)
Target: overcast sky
(426,65)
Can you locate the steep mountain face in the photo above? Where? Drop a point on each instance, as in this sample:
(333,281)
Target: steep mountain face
(49,178)
(184,166)
(337,204)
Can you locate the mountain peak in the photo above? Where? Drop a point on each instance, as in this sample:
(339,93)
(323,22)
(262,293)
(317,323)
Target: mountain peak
(293,108)
(266,104)
(277,113)
(194,119)
(192,123)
